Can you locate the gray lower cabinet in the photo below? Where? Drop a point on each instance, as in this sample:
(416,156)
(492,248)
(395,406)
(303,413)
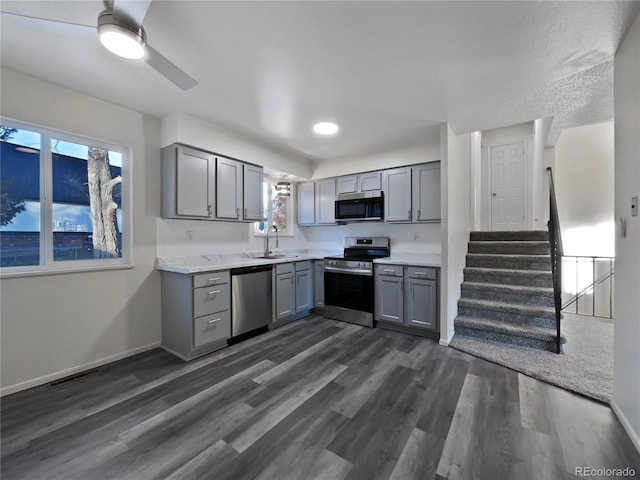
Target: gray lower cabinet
(293,291)
(318,284)
(407,296)
(389,305)
(196,313)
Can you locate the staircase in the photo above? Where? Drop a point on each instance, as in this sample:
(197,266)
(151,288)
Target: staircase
(507,293)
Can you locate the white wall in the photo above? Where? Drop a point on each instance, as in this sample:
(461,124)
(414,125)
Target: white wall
(54,325)
(502,136)
(457,219)
(626,360)
(182,128)
(583,176)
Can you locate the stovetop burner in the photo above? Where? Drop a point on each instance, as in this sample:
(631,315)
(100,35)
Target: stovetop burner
(358,256)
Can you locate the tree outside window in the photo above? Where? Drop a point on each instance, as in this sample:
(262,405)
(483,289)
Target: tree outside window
(276,210)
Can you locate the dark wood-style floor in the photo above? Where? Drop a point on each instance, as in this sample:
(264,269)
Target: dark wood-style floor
(316,399)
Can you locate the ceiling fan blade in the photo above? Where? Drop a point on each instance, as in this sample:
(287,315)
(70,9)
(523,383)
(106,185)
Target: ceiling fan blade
(41,19)
(164,66)
(132,10)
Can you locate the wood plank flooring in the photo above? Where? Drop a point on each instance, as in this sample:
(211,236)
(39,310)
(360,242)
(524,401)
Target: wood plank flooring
(316,399)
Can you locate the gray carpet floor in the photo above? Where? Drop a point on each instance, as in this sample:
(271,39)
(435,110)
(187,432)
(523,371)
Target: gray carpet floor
(585,367)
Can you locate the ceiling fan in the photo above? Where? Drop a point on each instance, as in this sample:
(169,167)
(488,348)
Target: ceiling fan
(120,31)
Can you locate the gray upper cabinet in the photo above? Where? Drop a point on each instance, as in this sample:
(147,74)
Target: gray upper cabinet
(187,183)
(325,201)
(306,203)
(347,184)
(228,189)
(397,191)
(252,193)
(370,181)
(426,192)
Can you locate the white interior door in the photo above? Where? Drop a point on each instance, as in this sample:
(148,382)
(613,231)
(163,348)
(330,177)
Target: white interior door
(507,187)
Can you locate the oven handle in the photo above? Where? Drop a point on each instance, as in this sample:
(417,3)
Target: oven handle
(364,273)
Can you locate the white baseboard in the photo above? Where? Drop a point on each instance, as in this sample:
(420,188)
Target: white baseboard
(633,435)
(73,370)
(444,341)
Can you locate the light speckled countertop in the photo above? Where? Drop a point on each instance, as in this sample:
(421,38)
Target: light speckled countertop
(215,262)
(412,259)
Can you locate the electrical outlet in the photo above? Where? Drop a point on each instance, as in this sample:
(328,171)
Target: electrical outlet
(190,235)
(416,236)
(634,206)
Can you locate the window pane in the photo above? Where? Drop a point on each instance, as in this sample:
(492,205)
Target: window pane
(261,227)
(87,202)
(279,210)
(20,193)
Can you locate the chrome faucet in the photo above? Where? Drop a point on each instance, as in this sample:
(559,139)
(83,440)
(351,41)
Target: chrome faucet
(267,250)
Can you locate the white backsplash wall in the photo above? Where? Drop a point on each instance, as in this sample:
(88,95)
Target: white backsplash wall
(184,238)
(403,237)
(228,237)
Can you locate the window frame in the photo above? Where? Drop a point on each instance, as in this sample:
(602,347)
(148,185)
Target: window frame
(47,263)
(290,215)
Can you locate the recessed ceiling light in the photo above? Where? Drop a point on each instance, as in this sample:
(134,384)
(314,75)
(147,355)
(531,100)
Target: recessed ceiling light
(120,38)
(325,128)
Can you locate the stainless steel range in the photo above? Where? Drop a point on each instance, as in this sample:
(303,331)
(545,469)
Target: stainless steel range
(348,280)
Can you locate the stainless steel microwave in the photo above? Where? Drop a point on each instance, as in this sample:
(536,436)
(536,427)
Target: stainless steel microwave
(360,207)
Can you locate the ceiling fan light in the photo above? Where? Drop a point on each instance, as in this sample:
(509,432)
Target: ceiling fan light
(120,38)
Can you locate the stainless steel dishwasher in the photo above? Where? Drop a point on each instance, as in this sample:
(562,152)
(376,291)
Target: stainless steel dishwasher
(250,299)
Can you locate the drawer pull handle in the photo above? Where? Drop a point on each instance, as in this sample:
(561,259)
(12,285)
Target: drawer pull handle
(420,273)
(213,292)
(214,321)
(389,270)
(212,279)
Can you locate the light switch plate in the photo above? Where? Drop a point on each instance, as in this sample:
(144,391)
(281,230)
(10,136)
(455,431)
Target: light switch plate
(634,206)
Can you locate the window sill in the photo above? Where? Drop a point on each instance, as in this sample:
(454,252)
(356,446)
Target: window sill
(25,272)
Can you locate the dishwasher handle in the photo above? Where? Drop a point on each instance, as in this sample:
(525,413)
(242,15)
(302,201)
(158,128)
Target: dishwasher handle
(252,269)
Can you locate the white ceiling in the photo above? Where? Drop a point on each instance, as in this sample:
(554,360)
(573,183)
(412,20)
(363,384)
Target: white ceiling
(386,72)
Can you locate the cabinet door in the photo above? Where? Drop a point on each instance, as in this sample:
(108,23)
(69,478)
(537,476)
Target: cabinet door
(397,195)
(370,181)
(348,184)
(389,299)
(285,298)
(306,203)
(426,192)
(318,284)
(326,201)
(304,290)
(194,170)
(421,304)
(252,193)
(228,188)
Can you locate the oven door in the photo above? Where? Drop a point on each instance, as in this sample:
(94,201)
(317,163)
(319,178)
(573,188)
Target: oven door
(348,291)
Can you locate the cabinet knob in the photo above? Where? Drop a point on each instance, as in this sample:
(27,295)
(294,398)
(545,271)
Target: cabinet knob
(418,215)
(237,213)
(409,214)
(246,212)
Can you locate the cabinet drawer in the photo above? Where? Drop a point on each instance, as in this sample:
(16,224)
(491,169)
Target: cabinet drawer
(305,265)
(422,272)
(284,268)
(211,328)
(210,279)
(390,270)
(211,299)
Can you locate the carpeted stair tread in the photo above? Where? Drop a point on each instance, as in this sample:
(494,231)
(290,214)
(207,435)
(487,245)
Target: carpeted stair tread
(532,235)
(508,276)
(497,306)
(501,287)
(496,326)
(520,262)
(517,294)
(509,247)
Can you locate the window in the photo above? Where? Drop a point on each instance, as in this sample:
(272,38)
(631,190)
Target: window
(277,211)
(62,201)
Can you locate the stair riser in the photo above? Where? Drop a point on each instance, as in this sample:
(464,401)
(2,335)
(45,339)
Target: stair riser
(534,236)
(516,318)
(527,248)
(541,280)
(516,263)
(513,340)
(509,297)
